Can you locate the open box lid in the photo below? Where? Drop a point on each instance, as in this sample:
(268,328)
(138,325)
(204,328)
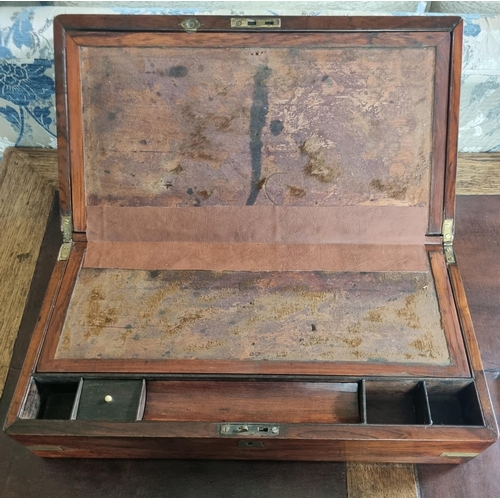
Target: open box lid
(317,130)
(257,200)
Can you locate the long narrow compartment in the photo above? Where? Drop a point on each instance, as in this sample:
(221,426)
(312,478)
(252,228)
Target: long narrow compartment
(280,402)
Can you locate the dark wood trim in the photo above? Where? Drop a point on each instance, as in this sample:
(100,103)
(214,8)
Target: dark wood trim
(288,23)
(433,239)
(221,366)
(37,341)
(80,237)
(190,377)
(440,120)
(62,118)
(424,451)
(465,318)
(472,347)
(360,432)
(451,325)
(259,39)
(75,133)
(453,117)
(56,321)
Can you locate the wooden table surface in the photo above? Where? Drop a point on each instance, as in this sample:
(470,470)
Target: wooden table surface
(23,474)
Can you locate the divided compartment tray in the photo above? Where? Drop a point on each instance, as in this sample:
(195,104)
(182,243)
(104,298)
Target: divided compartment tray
(61,398)
(410,402)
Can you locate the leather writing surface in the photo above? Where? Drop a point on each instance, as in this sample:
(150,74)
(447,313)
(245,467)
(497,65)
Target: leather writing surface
(281,316)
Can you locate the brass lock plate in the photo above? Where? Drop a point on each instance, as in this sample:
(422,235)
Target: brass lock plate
(271,22)
(249,429)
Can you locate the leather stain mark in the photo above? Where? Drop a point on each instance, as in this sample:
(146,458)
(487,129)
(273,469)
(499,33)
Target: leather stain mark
(178,71)
(393,188)
(408,312)
(425,346)
(276,127)
(374,317)
(258,113)
(296,192)
(204,194)
(98,316)
(316,165)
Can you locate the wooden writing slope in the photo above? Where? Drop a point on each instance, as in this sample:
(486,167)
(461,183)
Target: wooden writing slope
(258,258)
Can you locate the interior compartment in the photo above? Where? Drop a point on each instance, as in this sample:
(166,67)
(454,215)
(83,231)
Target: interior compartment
(387,402)
(51,400)
(261,402)
(397,402)
(454,403)
(104,399)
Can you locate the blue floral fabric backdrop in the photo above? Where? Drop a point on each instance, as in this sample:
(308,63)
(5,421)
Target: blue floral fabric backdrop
(27,90)
(27,104)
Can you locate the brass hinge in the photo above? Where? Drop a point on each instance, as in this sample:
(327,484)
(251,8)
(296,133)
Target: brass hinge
(67,228)
(64,251)
(67,236)
(448,235)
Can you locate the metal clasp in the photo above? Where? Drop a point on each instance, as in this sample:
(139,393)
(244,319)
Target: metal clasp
(271,22)
(249,429)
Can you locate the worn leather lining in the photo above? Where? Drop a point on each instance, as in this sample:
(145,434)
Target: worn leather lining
(254,256)
(313,125)
(259,224)
(257,238)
